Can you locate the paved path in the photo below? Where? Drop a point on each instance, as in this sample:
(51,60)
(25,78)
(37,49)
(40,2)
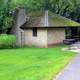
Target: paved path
(72,71)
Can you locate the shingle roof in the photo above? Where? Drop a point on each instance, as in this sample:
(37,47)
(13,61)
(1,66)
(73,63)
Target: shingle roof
(48,19)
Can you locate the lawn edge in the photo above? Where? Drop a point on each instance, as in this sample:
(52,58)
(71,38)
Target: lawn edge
(62,70)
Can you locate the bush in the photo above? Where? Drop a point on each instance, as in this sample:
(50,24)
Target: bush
(7,41)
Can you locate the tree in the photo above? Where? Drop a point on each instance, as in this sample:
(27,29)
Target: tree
(5,18)
(67,8)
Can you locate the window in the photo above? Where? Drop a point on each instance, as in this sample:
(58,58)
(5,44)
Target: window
(35,31)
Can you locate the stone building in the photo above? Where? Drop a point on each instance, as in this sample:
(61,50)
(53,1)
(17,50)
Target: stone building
(41,28)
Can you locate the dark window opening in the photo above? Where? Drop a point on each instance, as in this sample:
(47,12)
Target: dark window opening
(35,31)
(72,33)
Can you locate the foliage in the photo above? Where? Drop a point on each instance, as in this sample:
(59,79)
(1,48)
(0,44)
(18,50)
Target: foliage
(7,23)
(33,63)
(5,18)
(7,41)
(67,8)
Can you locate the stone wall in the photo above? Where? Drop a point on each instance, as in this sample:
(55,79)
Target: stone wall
(45,37)
(55,36)
(40,40)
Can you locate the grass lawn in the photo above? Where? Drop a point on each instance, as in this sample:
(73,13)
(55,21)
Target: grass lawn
(32,63)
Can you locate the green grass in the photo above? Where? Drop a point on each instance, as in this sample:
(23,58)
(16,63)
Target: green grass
(32,63)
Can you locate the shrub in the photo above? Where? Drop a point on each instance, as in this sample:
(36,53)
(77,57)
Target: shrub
(7,41)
